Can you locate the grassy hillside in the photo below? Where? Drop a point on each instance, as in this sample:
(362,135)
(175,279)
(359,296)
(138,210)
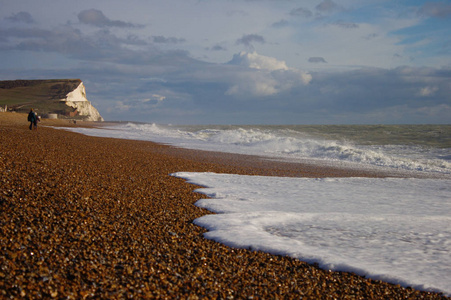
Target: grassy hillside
(42,95)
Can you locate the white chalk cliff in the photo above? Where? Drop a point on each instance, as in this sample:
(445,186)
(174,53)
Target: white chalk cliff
(77,99)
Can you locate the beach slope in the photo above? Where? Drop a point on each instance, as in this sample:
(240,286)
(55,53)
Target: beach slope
(88,217)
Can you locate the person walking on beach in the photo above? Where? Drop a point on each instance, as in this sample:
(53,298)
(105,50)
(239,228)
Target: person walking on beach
(33,119)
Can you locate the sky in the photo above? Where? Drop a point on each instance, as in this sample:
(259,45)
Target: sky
(240,61)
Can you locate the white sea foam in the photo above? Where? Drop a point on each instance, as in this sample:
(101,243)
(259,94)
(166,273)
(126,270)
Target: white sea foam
(396,230)
(284,143)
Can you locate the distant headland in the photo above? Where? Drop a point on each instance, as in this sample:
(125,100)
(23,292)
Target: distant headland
(50,98)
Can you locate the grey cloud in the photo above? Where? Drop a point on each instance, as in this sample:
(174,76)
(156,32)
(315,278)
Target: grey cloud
(101,45)
(72,42)
(96,18)
(317,60)
(346,25)
(167,40)
(367,89)
(134,40)
(237,12)
(328,6)
(248,39)
(280,24)
(23,33)
(435,9)
(301,12)
(371,36)
(65,40)
(21,17)
(218,48)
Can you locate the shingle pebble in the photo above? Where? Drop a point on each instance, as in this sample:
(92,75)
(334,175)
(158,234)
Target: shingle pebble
(84,217)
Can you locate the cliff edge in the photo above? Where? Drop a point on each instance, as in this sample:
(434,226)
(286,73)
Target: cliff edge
(77,99)
(65,98)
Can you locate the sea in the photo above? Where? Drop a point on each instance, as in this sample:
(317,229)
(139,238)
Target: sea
(396,229)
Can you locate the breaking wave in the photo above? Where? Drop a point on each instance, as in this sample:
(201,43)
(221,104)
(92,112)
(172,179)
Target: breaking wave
(281,142)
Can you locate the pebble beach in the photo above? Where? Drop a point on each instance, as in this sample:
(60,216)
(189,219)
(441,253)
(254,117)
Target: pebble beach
(86,217)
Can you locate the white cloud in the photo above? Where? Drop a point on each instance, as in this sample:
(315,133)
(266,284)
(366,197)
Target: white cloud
(133,105)
(254,84)
(428,91)
(154,99)
(259,62)
(120,106)
(265,76)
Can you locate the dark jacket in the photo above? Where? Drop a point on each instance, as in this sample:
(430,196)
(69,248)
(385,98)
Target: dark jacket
(32,117)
